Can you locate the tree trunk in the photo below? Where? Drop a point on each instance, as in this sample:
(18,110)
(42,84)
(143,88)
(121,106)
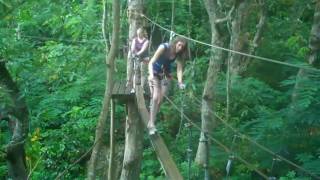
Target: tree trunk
(133,144)
(135,8)
(111,170)
(239,39)
(101,126)
(15,152)
(207,117)
(134,127)
(314,46)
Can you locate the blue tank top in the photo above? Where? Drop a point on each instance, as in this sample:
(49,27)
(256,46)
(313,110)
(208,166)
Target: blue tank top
(163,63)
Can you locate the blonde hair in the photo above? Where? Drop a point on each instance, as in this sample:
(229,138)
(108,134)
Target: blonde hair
(143,31)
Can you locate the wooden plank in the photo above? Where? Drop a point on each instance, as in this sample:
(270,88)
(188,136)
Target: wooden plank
(128,90)
(158,144)
(114,84)
(121,86)
(118,88)
(115,88)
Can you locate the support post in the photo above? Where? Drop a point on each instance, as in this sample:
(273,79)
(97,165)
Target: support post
(111,158)
(206,165)
(189,150)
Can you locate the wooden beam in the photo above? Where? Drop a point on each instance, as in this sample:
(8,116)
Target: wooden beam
(158,144)
(111,170)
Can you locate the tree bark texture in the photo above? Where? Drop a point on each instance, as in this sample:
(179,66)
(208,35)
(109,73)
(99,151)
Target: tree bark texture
(134,127)
(215,63)
(111,170)
(15,152)
(240,35)
(133,144)
(101,126)
(239,38)
(135,8)
(314,46)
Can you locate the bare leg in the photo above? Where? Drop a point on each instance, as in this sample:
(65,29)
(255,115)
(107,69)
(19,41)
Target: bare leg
(155,101)
(143,71)
(165,86)
(136,76)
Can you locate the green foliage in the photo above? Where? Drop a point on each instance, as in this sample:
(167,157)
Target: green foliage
(58,63)
(150,168)
(6,101)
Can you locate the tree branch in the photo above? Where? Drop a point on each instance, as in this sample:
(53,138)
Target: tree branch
(227,18)
(13,9)
(260,26)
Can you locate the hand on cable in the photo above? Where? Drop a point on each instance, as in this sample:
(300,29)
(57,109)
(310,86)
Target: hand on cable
(181,86)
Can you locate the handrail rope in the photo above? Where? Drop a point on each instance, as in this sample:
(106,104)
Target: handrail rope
(259,145)
(230,50)
(225,148)
(63,40)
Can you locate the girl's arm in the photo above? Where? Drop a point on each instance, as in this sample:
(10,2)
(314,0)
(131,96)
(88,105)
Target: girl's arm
(179,71)
(156,56)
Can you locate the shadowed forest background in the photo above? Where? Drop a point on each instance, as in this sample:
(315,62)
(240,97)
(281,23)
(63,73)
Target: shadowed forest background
(53,77)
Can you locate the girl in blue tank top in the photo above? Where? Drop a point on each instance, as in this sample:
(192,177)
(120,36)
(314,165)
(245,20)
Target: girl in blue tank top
(160,73)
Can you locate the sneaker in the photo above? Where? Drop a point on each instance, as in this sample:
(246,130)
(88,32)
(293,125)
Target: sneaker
(132,91)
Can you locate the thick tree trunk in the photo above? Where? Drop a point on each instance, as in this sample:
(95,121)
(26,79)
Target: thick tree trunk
(260,27)
(135,8)
(134,127)
(101,126)
(314,46)
(207,117)
(239,39)
(133,144)
(15,152)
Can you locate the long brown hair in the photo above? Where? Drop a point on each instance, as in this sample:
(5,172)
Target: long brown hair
(183,54)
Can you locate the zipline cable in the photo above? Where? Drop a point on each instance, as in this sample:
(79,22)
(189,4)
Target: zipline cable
(230,50)
(225,148)
(259,145)
(63,40)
